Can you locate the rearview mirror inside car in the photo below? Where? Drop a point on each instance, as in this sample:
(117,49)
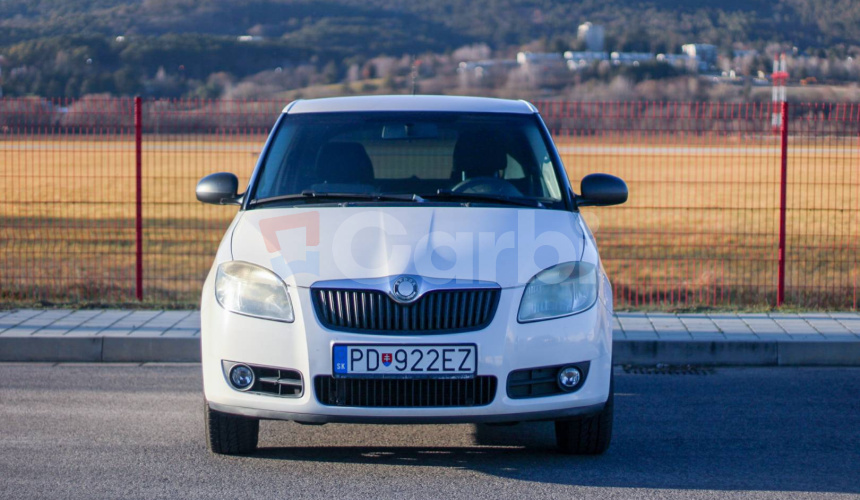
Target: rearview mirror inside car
(410,131)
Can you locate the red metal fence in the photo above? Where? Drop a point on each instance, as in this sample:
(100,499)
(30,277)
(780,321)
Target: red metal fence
(99,203)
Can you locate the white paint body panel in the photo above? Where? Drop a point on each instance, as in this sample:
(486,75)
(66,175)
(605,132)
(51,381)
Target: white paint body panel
(305,345)
(446,243)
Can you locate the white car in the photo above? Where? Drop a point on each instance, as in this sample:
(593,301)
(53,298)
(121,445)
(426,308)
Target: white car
(408,259)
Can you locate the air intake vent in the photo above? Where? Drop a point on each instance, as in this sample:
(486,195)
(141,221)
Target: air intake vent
(438,311)
(271,381)
(405,393)
(540,382)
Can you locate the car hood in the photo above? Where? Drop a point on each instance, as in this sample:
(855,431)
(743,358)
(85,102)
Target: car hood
(506,246)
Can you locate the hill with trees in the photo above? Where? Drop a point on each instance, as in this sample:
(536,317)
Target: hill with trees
(177,47)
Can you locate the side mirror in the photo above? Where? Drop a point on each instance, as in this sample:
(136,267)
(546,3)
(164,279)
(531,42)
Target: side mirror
(219,189)
(600,190)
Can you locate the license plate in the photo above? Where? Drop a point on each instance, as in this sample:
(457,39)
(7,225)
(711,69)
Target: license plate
(406,361)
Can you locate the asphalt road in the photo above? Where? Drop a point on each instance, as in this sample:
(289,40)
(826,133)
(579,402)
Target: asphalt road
(109,431)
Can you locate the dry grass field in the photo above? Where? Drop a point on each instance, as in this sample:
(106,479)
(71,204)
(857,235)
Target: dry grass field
(702,223)
(701,226)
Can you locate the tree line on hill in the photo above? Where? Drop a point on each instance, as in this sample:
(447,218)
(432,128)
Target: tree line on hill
(192,47)
(98,115)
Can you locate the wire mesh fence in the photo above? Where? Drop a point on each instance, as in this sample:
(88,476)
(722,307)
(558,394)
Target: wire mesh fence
(823,205)
(702,226)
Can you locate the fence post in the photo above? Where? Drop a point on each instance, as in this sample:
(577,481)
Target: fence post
(783,182)
(138,204)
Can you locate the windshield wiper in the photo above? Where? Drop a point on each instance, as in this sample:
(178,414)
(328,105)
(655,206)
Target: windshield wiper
(447,194)
(309,194)
(441,194)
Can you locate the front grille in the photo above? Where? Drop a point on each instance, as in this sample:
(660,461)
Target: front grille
(434,312)
(405,393)
(540,382)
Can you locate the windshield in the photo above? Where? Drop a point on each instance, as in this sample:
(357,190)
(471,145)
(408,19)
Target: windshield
(438,157)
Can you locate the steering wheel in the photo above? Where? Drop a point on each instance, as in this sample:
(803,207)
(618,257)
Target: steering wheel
(487,185)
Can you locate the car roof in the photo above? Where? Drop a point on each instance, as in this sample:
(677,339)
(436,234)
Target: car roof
(409,103)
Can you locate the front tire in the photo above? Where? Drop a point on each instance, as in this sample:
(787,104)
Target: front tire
(230,434)
(589,435)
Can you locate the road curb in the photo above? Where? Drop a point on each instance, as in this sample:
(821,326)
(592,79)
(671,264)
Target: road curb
(50,349)
(818,353)
(692,352)
(626,352)
(150,349)
(100,349)
(737,353)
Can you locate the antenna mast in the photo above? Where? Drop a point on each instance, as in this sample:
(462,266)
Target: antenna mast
(779,78)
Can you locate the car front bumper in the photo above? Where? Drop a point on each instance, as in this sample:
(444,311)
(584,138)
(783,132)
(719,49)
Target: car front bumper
(504,346)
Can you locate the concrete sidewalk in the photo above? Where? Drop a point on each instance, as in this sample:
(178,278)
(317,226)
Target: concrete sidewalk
(639,338)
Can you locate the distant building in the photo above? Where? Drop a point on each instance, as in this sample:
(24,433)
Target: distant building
(488,64)
(628,58)
(674,58)
(541,70)
(706,53)
(742,53)
(593,35)
(577,60)
(486,73)
(682,61)
(524,58)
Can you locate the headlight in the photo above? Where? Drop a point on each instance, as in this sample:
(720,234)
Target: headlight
(247,289)
(561,290)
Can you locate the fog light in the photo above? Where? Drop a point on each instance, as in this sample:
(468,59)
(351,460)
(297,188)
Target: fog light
(568,377)
(242,377)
